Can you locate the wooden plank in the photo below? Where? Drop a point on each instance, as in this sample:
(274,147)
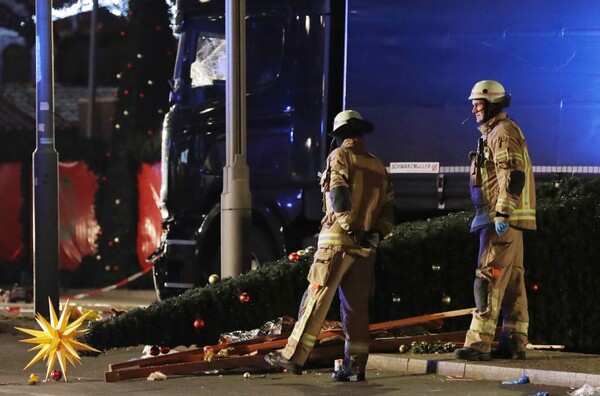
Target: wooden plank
(197,354)
(188,368)
(184,362)
(545,347)
(419,319)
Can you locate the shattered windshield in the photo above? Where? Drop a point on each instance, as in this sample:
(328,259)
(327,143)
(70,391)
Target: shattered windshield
(210,64)
(202,59)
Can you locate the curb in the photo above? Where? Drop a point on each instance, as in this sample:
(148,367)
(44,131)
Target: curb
(480,371)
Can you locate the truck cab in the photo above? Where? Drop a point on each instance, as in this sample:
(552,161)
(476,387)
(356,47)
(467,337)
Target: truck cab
(286,136)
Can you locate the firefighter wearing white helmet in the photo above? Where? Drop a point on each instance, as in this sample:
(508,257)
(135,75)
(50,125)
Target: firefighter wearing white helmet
(503,193)
(358,205)
(493,98)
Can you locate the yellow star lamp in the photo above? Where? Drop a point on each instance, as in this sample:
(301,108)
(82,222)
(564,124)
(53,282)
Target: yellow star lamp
(56,341)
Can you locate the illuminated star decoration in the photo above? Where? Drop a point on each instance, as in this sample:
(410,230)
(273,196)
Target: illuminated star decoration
(56,340)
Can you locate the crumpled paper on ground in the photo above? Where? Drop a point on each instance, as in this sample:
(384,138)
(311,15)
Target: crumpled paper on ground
(586,390)
(275,327)
(157,376)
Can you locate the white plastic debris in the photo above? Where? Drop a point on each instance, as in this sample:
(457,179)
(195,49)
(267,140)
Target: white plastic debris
(586,390)
(157,376)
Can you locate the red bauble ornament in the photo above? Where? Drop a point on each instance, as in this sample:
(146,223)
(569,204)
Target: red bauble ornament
(535,287)
(154,351)
(199,323)
(244,298)
(293,257)
(165,349)
(56,375)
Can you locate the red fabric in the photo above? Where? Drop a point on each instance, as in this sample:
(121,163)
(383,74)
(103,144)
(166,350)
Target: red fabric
(11,202)
(150,220)
(78,225)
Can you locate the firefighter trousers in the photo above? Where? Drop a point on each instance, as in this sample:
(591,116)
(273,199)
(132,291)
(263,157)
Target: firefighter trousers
(499,286)
(351,274)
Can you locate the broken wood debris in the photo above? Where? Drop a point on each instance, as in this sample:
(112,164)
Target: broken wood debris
(250,353)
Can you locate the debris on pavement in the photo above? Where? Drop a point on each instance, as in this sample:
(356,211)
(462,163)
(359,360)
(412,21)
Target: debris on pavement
(523,380)
(157,376)
(586,390)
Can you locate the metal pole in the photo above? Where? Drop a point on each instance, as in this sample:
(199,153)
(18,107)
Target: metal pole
(92,72)
(45,170)
(236,200)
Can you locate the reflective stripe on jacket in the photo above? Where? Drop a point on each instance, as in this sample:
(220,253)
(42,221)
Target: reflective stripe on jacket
(506,152)
(371,194)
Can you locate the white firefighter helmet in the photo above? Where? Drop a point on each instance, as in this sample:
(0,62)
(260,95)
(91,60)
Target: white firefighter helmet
(349,123)
(490,90)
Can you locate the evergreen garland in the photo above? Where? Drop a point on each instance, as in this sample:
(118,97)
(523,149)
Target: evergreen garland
(425,267)
(274,290)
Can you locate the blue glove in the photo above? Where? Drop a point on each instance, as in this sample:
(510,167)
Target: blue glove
(501,227)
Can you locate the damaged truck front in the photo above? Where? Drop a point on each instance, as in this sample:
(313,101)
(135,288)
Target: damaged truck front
(286,104)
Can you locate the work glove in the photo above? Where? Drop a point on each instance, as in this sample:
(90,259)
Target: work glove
(501,227)
(374,238)
(361,238)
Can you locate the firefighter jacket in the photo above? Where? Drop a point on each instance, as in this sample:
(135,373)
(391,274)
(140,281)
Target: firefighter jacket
(367,201)
(502,185)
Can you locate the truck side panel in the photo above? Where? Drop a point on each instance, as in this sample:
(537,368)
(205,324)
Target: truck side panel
(411,65)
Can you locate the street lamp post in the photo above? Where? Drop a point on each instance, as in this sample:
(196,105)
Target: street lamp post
(45,170)
(236,200)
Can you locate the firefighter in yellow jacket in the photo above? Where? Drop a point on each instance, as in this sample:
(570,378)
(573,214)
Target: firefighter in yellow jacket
(503,192)
(358,204)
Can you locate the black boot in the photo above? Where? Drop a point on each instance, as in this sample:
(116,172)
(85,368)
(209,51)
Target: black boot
(505,353)
(471,354)
(277,360)
(507,349)
(348,372)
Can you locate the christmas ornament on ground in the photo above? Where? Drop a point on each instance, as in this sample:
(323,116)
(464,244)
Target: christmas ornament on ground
(56,375)
(56,341)
(164,350)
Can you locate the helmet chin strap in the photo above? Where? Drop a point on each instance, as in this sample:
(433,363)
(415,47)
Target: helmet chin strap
(491,110)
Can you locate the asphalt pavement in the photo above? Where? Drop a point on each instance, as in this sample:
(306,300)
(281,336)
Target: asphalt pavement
(545,370)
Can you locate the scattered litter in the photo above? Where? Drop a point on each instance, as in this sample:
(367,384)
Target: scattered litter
(153,350)
(545,347)
(157,376)
(459,378)
(586,390)
(246,375)
(541,394)
(33,379)
(523,380)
